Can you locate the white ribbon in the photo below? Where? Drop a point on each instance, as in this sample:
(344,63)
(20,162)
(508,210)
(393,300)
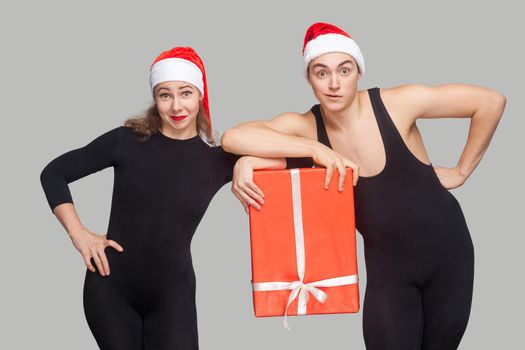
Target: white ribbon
(298,288)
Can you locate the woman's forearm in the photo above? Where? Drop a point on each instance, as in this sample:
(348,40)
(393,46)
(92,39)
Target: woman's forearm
(482,127)
(257,139)
(263,163)
(68,217)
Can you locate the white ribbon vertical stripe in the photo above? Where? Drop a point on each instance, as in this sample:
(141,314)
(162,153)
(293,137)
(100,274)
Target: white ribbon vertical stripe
(298,221)
(298,288)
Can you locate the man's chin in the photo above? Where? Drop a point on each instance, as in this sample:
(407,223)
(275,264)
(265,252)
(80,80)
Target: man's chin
(335,105)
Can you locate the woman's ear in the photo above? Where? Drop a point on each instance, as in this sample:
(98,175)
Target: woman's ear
(156,96)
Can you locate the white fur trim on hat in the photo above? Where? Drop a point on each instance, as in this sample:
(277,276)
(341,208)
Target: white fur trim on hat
(332,43)
(170,69)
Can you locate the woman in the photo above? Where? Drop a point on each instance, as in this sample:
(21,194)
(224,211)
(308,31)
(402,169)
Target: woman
(165,176)
(418,250)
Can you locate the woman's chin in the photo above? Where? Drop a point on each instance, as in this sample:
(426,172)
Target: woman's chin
(180,126)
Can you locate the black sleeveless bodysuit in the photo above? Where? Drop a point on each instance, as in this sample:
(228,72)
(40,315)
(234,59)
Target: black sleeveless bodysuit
(418,251)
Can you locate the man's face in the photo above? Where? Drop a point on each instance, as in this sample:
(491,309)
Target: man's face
(333,77)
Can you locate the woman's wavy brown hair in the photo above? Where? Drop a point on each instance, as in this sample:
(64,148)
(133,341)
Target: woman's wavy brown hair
(149,123)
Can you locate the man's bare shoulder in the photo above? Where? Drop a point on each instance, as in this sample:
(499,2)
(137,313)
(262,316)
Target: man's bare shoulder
(299,124)
(405,93)
(300,117)
(405,102)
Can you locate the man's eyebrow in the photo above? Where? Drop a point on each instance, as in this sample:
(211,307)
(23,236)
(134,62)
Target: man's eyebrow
(319,65)
(345,62)
(339,65)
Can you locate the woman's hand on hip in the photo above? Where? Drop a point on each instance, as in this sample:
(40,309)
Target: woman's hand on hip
(92,246)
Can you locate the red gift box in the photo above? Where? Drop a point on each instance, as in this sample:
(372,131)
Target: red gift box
(303,245)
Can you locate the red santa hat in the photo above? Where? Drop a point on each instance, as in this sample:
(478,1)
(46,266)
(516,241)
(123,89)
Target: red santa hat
(323,38)
(181,64)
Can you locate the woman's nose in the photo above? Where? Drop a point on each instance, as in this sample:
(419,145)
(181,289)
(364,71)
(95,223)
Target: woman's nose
(176,106)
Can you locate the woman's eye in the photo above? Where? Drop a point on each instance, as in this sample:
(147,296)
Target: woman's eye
(321,74)
(164,96)
(345,71)
(186,93)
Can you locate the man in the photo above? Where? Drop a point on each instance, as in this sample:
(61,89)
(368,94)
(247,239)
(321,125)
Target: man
(418,251)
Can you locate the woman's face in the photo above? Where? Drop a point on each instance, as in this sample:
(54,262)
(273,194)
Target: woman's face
(333,77)
(178,104)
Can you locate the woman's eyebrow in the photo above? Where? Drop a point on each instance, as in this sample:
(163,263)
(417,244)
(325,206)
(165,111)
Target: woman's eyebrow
(179,88)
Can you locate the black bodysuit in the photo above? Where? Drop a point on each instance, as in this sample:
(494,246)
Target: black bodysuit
(418,251)
(162,188)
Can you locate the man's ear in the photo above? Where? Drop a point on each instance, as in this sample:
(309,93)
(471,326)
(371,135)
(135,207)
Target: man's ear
(308,78)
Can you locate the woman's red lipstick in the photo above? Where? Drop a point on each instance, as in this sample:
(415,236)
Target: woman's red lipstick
(177,118)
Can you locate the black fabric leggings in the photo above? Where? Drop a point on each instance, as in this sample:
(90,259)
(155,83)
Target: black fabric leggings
(411,308)
(140,318)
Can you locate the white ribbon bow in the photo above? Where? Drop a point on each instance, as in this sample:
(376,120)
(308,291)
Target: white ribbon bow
(298,288)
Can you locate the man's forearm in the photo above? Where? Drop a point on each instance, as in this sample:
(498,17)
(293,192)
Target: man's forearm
(482,127)
(262,141)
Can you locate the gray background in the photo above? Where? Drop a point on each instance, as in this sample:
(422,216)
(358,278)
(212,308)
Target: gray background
(73,70)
